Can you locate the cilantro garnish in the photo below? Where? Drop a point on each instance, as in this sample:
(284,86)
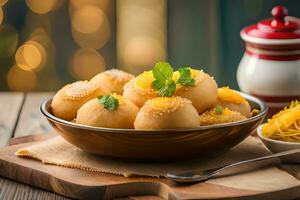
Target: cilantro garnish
(109,102)
(219,110)
(163,74)
(185,77)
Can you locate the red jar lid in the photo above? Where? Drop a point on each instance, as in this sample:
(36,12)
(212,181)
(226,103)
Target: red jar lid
(281,29)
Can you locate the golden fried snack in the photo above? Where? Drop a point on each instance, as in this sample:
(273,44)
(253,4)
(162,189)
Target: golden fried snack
(111,111)
(113,80)
(203,95)
(219,115)
(228,98)
(167,113)
(139,89)
(68,100)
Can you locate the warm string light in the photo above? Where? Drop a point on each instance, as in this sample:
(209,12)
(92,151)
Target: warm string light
(3,2)
(38,50)
(141,52)
(85,63)
(1,15)
(30,56)
(44,6)
(88,19)
(89,23)
(20,80)
(104,5)
(141,37)
(91,30)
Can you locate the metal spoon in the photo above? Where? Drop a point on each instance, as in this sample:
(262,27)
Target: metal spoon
(198,176)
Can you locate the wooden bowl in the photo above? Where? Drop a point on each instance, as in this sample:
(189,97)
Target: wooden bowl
(157,144)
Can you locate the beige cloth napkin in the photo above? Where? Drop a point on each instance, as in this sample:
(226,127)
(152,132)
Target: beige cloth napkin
(59,152)
(254,176)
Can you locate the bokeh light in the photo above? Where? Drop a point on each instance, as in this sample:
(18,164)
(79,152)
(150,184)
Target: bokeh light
(141,53)
(90,27)
(20,80)
(1,15)
(41,6)
(30,56)
(3,2)
(104,5)
(86,63)
(141,40)
(88,19)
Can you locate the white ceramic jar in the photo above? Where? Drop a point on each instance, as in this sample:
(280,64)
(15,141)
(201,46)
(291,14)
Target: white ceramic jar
(270,67)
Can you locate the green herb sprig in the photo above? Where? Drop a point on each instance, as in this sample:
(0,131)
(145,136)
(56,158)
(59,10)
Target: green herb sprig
(164,83)
(219,110)
(185,77)
(109,102)
(163,74)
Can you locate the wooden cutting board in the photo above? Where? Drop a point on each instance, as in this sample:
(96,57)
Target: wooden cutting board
(88,185)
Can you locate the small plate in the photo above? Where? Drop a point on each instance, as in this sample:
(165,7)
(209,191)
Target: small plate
(149,145)
(276,146)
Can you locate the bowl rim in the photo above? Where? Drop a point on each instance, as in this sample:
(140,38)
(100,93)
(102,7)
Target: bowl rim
(49,116)
(262,137)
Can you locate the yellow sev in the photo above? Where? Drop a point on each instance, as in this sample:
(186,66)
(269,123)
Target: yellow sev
(284,125)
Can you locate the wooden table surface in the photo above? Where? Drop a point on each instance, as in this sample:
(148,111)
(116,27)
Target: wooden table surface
(20,116)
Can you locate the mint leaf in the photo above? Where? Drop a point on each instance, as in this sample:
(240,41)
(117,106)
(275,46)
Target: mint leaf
(163,83)
(162,71)
(109,102)
(158,84)
(185,77)
(168,90)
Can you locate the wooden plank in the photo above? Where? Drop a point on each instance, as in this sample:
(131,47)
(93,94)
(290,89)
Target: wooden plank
(13,190)
(31,121)
(90,185)
(10,106)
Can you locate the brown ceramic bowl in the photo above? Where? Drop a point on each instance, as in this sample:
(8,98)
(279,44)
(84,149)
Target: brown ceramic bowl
(157,144)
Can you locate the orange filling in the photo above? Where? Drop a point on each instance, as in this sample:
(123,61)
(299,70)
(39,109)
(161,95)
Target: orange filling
(119,97)
(143,82)
(229,95)
(166,104)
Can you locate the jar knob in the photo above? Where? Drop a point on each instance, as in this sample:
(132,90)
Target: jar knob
(279,12)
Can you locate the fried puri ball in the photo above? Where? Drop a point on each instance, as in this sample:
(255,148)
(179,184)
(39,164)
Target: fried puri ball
(219,115)
(139,89)
(94,113)
(203,95)
(167,113)
(113,80)
(68,100)
(228,98)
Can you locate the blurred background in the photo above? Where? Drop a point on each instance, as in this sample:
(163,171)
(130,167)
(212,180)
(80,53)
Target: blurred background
(45,44)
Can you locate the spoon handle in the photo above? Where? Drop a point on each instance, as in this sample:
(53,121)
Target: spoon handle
(275,155)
